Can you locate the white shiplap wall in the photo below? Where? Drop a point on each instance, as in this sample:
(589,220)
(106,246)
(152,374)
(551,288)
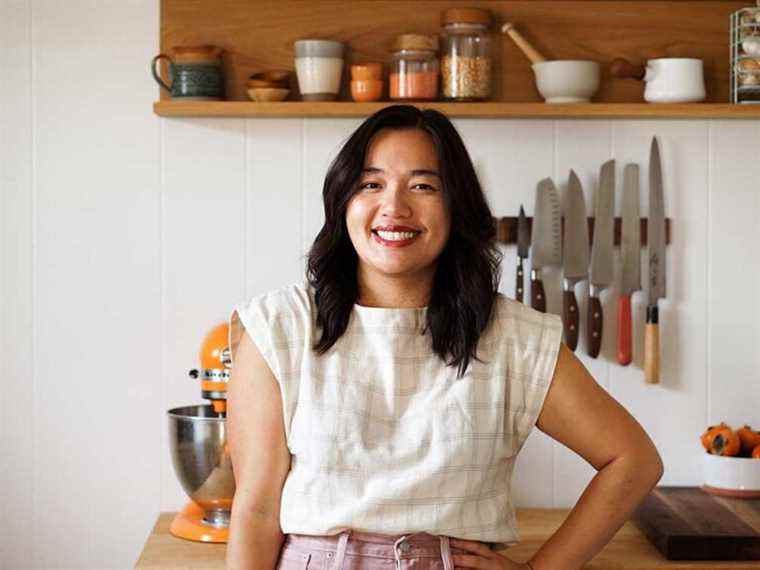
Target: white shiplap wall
(125,236)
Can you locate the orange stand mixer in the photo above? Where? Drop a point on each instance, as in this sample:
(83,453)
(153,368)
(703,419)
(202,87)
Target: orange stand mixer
(198,442)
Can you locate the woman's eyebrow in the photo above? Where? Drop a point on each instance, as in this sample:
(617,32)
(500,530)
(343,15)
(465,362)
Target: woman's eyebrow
(415,172)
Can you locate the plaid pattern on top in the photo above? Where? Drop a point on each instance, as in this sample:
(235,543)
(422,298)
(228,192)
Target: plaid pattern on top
(384,438)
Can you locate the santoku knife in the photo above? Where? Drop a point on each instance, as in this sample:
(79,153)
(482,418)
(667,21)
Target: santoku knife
(630,251)
(546,245)
(523,243)
(601,255)
(656,278)
(575,258)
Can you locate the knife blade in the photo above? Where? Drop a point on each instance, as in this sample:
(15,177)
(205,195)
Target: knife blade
(656,254)
(575,258)
(600,275)
(546,244)
(630,251)
(523,244)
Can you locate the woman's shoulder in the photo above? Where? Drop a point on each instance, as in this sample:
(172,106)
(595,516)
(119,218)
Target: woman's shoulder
(293,300)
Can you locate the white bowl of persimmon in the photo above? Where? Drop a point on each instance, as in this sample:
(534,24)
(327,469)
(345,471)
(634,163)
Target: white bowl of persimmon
(731,463)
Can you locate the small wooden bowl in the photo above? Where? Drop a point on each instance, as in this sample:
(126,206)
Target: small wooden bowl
(263,94)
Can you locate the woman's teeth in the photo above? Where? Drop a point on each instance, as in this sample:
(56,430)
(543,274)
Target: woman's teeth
(396,236)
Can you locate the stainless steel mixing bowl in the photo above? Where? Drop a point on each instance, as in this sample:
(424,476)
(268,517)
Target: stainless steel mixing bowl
(198,443)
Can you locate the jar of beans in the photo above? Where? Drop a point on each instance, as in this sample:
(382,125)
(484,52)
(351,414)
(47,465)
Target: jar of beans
(414,68)
(466,54)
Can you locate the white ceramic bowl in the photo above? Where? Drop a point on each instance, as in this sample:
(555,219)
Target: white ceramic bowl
(731,476)
(567,80)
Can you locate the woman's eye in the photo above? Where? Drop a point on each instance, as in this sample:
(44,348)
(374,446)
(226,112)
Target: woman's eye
(427,186)
(366,184)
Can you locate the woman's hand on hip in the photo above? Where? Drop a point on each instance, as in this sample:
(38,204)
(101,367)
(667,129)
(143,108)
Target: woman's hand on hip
(480,556)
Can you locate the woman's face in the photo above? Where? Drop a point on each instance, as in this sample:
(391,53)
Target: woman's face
(400,191)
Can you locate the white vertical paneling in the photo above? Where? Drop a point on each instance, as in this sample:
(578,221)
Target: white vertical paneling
(17,363)
(274,169)
(97,288)
(734,274)
(204,194)
(673,411)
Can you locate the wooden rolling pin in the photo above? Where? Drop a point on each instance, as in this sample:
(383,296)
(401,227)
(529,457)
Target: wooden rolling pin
(530,52)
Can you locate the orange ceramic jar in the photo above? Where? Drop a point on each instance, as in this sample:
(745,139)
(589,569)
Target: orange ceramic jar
(372,70)
(366,89)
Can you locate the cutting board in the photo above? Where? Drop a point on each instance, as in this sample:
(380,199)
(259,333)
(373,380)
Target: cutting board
(686,523)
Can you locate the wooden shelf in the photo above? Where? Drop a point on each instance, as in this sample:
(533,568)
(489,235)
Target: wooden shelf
(258,36)
(488,110)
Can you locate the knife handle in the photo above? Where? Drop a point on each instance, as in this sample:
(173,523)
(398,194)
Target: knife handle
(652,346)
(519,280)
(570,318)
(537,295)
(594,326)
(624,349)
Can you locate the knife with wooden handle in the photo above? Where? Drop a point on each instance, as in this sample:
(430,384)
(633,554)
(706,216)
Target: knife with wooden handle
(601,273)
(575,257)
(656,277)
(546,244)
(523,244)
(630,252)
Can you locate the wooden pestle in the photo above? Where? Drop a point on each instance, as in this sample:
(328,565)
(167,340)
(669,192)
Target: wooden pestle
(530,52)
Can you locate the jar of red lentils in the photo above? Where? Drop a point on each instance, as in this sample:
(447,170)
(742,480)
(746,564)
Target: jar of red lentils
(414,68)
(466,54)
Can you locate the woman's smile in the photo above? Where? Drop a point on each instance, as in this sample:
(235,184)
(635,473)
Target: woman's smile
(395,239)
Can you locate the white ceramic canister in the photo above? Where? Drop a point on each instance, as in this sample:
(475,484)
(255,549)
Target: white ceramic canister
(674,80)
(319,64)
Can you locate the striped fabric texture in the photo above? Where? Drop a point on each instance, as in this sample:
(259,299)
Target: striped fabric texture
(384,438)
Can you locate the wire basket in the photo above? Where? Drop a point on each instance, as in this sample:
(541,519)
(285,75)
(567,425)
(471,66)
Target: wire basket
(745,55)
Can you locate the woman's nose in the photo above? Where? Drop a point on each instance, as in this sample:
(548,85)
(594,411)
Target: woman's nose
(395,200)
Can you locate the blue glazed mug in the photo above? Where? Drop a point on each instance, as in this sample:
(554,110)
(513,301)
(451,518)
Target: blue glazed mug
(195,73)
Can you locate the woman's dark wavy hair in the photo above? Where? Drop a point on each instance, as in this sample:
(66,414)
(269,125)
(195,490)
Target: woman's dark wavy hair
(467,275)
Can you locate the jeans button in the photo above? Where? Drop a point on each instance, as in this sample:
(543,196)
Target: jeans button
(405,547)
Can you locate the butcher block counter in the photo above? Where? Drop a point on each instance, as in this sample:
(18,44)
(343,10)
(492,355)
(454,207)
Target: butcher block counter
(628,550)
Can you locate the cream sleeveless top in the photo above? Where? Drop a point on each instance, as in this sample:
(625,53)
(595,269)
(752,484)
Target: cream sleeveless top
(384,438)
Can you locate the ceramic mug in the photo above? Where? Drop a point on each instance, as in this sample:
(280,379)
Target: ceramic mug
(195,72)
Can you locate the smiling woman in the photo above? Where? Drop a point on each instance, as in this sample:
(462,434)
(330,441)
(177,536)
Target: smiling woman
(376,409)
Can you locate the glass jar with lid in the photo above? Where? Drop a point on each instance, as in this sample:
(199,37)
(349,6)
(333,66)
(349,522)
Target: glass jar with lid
(466,68)
(414,68)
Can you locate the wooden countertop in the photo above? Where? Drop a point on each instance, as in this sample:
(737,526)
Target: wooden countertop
(628,550)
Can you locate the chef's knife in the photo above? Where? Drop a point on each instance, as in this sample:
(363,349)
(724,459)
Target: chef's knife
(656,278)
(546,245)
(630,252)
(600,275)
(575,258)
(523,243)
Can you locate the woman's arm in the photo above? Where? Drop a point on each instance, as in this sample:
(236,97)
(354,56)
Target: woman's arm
(260,461)
(580,414)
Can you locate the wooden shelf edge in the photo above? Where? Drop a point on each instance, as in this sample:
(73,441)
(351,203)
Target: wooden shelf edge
(296,109)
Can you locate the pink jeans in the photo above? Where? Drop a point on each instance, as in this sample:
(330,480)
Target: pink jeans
(352,550)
